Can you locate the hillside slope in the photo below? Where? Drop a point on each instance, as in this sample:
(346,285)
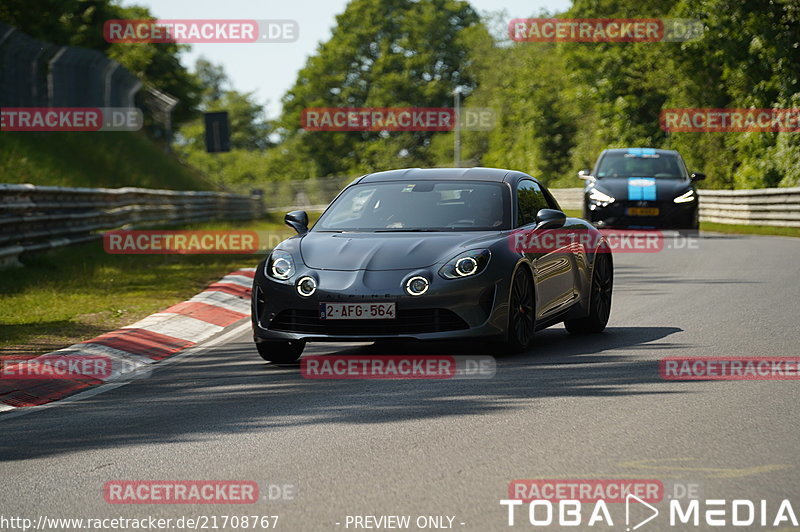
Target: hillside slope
(96,159)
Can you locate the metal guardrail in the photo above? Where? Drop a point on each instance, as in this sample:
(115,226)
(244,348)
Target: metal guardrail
(35,218)
(777,207)
(570,199)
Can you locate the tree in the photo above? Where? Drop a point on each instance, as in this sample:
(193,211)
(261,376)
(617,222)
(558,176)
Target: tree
(390,53)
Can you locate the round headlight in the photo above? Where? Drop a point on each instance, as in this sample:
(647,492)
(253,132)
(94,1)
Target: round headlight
(279,265)
(466,266)
(416,286)
(306,286)
(281,268)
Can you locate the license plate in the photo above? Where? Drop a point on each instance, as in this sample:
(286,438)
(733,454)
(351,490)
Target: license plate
(356,311)
(643,211)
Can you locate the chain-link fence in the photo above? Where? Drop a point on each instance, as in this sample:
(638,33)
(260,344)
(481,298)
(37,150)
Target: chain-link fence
(40,74)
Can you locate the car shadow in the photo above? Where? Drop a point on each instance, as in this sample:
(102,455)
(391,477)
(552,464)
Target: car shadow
(230,389)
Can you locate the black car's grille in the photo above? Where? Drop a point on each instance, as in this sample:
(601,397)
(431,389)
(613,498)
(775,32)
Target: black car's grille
(408,321)
(628,204)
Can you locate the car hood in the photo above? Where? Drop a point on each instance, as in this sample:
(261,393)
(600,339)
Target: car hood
(386,251)
(642,188)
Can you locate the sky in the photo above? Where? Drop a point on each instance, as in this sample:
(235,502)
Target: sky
(270,69)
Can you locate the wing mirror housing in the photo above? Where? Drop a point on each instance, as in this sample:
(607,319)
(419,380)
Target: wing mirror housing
(297,220)
(697,176)
(585,174)
(550,219)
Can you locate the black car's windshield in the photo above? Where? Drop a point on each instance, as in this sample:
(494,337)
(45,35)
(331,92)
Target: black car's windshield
(641,164)
(405,206)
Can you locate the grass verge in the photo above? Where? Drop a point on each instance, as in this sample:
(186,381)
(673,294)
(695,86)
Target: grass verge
(750,229)
(96,159)
(75,293)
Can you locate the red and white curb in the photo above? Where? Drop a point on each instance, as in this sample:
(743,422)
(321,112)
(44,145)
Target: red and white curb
(134,348)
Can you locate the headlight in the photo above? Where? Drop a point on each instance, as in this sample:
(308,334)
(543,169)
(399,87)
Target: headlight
(466,264)
(600,197)
(280,265)
(686,197)
(306,286)
(416,286)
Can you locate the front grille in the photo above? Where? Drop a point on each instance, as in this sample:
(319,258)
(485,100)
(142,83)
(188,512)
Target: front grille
(408,321)
(628,203)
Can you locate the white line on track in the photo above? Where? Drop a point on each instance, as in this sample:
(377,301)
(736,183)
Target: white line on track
(194,350)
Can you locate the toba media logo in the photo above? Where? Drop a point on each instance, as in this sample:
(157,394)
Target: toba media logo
(591,503)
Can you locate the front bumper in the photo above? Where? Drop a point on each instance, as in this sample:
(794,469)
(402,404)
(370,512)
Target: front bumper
(616,215)
(450,309)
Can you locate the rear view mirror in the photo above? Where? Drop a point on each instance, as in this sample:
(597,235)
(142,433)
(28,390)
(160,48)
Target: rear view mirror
(584,174)
(550,219)
(697,176)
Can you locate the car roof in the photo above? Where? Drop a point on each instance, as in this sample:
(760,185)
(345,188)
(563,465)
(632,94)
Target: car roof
(455,174)
(634,150)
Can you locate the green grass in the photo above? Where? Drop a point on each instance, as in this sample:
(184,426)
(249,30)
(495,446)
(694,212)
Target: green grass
(75,293)
(750,229)
(92,159)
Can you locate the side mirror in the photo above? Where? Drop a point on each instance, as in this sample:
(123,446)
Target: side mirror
(697,176)
(550,219)
(297,220)
(584,174)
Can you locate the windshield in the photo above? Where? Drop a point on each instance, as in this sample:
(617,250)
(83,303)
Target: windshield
(399,206)
(658,165)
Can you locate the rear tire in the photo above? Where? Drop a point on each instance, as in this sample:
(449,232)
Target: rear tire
(281,352)
(600,298)
(521,312)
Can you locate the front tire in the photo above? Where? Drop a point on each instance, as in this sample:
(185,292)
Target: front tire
(281,352)
(521,312)
(600,298)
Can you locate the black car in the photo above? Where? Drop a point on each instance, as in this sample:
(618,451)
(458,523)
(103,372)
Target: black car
(432,254)
(641,188)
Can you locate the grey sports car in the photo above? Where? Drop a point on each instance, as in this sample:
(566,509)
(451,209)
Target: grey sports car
(432,254)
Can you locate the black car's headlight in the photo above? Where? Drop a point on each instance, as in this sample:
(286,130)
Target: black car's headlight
(686,197)
(280,265)
(598,196)
(466,264)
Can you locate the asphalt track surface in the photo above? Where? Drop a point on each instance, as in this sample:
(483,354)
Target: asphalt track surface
(571,407)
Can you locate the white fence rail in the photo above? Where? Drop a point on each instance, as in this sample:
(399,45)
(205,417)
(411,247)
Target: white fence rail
(778,207)
(570,199)
(35,218)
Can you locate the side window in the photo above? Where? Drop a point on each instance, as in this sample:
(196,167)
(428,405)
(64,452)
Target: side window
(530,200)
